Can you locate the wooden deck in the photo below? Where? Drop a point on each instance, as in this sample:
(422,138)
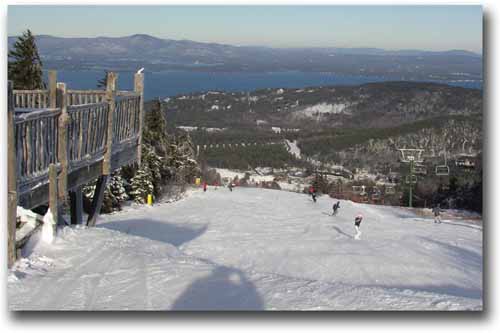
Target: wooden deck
(62,139)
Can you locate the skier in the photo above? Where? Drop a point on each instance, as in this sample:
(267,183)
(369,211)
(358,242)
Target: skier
(437,214)
(336,206)
(357,223)
(312,193)
(230,186)
(204,186)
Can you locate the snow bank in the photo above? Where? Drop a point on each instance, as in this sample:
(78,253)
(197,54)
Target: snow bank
(49,228)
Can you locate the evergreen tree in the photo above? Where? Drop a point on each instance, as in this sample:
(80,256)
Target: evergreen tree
(114,194)
(102,83)
(155,165)
(25,65)
(142,184)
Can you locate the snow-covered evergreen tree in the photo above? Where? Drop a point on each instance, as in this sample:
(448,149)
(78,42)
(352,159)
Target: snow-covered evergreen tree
(166,159)
(114,194)
(142,184)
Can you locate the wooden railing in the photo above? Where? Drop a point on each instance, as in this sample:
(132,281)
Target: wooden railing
(126,118)
(36,135)
(32,99)
(87,133)
(79,97)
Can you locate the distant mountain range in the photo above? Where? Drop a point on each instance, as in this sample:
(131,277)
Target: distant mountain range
(124,53)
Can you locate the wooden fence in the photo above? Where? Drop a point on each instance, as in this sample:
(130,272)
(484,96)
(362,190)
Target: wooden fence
(36,134)
(32,99)
(87,133)
(126,118)
(79,97)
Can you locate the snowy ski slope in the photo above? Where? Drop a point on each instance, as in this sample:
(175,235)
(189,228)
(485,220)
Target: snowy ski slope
(254,249)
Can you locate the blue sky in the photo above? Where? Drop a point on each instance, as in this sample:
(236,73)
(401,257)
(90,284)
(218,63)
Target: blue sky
(389,27)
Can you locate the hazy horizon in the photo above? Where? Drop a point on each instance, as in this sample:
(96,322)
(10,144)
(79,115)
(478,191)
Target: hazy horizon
(428,28)
(263,46)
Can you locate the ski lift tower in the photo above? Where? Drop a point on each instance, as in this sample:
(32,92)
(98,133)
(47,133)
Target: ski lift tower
(411,156)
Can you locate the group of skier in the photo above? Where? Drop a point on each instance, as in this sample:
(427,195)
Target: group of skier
(335,208)
(359,217)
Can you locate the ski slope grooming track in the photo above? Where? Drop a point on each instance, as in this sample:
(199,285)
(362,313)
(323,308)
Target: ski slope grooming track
(253,249)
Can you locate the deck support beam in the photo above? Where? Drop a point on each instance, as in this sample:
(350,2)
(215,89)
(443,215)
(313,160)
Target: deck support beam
(62,149)
(97,200)
(139,88)
(106,165)
(52,89)
(76,199)
(110,98)
(54,206)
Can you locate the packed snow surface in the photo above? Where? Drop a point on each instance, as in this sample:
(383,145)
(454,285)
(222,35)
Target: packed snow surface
(253,249)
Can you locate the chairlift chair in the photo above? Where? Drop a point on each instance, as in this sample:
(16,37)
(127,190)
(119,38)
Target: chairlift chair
(390,190)
(443,170)
(409,155)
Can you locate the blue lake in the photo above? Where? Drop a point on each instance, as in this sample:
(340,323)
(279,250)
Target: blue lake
(171,83)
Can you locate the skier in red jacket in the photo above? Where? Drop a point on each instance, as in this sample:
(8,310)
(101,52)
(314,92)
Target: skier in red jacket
(312,192)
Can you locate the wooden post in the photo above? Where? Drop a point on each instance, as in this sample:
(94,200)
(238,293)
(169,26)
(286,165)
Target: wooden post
(106,164)
(76,200)
(12,179)
(139,88)
(62,148)
(97,200)
(52,89)
(110,98)
(53,197)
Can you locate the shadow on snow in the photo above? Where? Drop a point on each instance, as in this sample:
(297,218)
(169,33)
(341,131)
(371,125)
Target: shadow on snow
(157,230)
(224,289)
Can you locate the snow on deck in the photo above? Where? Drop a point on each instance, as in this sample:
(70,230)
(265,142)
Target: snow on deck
(254,249)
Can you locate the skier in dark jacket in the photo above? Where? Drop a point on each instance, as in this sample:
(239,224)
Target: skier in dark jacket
(336,207)
(357,224)
(437,214)
(204,186)
(230,186)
